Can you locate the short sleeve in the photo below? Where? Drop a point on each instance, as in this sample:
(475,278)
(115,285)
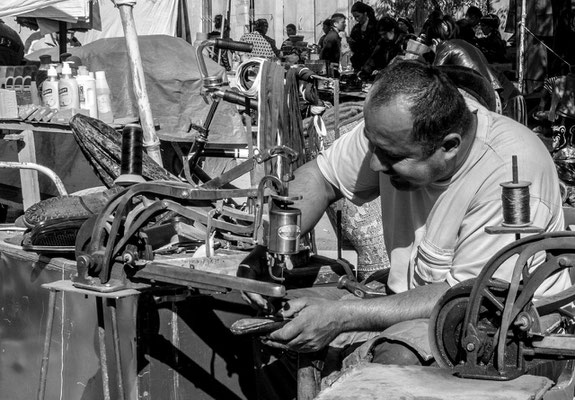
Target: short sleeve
(346,166)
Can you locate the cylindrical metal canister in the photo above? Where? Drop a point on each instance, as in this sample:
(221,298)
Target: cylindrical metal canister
(284,230)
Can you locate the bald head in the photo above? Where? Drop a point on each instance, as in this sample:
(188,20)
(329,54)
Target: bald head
(432,98)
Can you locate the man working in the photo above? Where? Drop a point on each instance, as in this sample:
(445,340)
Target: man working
(437,160)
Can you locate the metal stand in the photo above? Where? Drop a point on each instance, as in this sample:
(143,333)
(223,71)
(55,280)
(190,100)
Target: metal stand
(110,299)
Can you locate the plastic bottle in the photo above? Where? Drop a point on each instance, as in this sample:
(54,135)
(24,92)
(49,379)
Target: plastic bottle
(42,73)
(87,91)
(68,89)
(50,96)
(103,97)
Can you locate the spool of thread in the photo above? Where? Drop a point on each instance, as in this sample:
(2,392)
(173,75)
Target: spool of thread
(515,200)
(132,153)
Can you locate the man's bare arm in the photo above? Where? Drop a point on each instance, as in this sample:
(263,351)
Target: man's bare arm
(316,322)
(317,194)
(383,312)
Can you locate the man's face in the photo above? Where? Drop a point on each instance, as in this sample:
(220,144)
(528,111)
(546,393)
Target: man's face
(340,25)
(290,31)
(388,129)
(263,28)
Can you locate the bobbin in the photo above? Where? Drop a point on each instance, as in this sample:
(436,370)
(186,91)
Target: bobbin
(524,209)
(132,155)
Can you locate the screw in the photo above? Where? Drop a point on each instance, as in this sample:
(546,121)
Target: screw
(470,347)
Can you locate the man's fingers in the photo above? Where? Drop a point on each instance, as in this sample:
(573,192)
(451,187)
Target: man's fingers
(257,301)
(275,345)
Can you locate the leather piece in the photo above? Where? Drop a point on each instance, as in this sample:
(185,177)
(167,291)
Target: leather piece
(257,326)
(459,52)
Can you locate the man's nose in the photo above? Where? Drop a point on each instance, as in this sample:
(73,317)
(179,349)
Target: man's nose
(377,165)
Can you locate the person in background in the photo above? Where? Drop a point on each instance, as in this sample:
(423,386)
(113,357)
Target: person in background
(287,44)
(468,24)
(332,47)
(325,27)
(11,46)
(492,45)
(364,35)
(291,30)
(405,26)
(220,56)
(262,27)
(264,46)
(448,49)
(390,45)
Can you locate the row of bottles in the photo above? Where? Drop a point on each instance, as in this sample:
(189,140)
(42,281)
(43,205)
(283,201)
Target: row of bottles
(87,91)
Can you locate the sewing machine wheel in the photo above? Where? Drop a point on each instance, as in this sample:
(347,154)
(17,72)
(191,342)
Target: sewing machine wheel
(446,323)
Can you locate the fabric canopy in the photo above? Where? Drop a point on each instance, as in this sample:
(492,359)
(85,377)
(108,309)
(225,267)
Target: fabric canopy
(17,7)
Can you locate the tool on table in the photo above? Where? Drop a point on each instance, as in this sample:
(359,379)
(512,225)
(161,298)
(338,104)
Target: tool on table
(350,283)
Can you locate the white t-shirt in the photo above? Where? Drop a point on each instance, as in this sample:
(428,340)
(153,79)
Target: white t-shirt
(436,233)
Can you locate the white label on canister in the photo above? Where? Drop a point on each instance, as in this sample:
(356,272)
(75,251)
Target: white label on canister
(289,232)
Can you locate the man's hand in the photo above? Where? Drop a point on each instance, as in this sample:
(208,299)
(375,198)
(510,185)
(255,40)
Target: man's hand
(258,302)
(315,324)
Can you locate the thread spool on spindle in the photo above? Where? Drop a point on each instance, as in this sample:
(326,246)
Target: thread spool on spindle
(515,200)
(132,155)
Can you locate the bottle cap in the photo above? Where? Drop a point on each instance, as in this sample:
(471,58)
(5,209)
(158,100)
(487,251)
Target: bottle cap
(83,70)
(52,71)
(75,60)
(45,59)
(66,70)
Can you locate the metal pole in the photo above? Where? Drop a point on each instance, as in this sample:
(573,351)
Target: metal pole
(151,141)
(521,52)
(46,350)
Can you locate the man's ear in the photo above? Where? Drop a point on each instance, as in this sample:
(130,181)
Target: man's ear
(451,143)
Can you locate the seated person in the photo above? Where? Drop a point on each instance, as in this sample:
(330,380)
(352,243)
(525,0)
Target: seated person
(437,161)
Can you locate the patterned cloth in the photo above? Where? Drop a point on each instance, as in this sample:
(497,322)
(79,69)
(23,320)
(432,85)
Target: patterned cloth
(262,48)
